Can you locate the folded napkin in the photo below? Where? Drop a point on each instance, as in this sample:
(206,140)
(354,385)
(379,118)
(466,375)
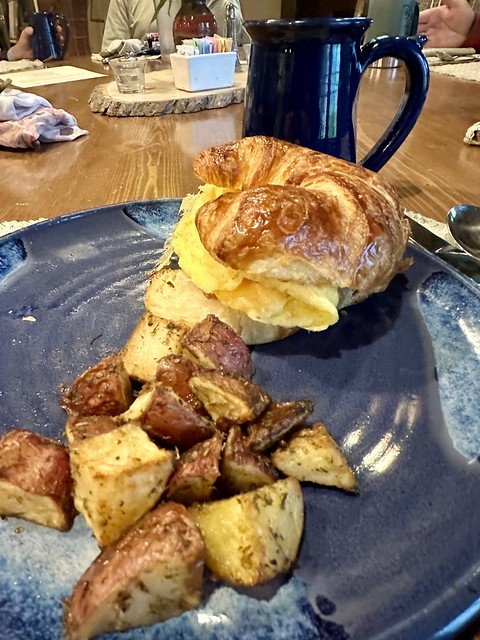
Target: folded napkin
(8,66)
(448,55)
(26,120)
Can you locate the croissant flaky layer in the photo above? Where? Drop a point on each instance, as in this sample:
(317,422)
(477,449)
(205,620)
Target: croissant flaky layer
(299,215)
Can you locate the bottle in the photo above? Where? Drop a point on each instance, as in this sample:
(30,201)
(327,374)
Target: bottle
(193,20)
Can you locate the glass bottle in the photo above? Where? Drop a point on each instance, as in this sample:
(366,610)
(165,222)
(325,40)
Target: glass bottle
(193,20)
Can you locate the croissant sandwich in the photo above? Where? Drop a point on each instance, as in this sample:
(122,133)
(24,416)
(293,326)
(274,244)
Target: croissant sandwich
(279,237)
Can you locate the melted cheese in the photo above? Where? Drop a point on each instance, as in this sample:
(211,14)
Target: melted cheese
(267,300)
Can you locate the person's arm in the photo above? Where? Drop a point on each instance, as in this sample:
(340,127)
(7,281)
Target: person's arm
(22,50)
(473,38)
(117,23)
(447,25)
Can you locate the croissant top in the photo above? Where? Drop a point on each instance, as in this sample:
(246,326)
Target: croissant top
(300,215)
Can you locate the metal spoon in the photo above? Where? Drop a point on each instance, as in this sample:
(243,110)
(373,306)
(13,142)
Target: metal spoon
(464,224)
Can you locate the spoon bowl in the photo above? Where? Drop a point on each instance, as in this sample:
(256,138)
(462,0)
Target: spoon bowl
(464,224)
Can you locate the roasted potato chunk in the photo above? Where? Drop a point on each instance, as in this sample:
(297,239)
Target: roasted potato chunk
(215,345)
(276,422)
(83,427)
(152,339)
(255,536)
(104,389)
(242,469)
(136,411)
(152,573)
(35,480)
(174,421)
(175,372)
(118,477)
(312,455)
(228,398)
(197,471)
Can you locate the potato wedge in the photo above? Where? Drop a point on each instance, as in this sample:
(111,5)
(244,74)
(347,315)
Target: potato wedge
(312,455)
(118,476)
(152,573)
(252,537)
(152,339)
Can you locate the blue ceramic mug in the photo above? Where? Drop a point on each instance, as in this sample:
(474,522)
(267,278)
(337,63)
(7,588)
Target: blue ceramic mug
(303,80)
(50,36)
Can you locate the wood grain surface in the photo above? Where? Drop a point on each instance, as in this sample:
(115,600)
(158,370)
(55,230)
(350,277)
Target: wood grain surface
(132,158)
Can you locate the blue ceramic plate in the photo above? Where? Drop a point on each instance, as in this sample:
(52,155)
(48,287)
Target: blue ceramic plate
(396,381)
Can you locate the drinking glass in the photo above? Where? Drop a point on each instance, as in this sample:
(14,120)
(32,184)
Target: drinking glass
(129,74)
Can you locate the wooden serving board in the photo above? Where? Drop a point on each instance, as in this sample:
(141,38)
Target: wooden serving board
(161,97)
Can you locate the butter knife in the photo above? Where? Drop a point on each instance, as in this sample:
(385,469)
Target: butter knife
(454,256)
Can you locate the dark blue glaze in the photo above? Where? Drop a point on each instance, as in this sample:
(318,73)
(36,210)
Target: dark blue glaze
(303,80)
(398,561)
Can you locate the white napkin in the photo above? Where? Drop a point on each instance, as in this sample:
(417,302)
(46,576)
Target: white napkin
(26,120)
(45,125)
(9,66)
(16,104)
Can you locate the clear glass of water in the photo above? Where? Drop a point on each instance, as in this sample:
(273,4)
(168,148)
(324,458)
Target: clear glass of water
(129,74)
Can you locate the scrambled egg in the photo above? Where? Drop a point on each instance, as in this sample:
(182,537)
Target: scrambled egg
(267,300)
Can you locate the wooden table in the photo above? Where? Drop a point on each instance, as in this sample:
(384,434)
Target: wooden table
(151,157)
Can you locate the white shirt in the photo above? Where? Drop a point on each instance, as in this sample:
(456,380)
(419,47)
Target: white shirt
(133,19)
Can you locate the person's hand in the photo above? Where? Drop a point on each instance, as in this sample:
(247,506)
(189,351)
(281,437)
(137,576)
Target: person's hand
(447,25)
(22,50)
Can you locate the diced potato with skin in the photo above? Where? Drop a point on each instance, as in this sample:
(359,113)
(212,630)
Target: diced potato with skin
(198,470)
(175,372)
(252,537)
(152,573)
(83,427)
(152,339)
(312,455)
(104,389)
(228,398)
(276,422)
(174,421)
(118,477)
(242,469)
(35,480)
(215,345)
(136,411)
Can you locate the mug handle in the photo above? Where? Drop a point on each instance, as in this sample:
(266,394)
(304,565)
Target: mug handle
(59,20)
(409,50)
